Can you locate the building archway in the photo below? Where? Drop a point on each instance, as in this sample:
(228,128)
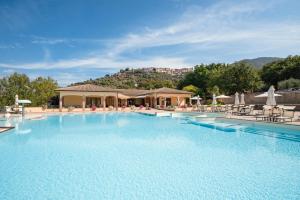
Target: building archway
(72,100)
(110,101)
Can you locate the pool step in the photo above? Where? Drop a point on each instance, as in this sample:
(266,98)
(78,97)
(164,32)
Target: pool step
(163,114)
(6,128)
(215,125)
(281,135)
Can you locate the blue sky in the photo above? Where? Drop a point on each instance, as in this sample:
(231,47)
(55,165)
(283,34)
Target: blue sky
(76,40)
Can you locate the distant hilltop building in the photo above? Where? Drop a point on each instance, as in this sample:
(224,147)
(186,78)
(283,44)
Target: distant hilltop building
(167,70)
(172,71)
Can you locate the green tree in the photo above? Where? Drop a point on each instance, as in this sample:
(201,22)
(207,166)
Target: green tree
(43,90)
(239,77)
(214,90)
(191,88)
(290,83)
(280,70)
(39,91)
(16,84)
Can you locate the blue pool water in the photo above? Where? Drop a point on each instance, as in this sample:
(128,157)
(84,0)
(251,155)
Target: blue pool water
(134,156)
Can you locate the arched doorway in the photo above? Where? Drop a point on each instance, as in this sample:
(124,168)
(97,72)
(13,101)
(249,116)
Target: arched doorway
(110,101)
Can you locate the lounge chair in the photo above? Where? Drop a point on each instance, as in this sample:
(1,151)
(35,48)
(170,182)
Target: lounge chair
(70,108)
(266,113)
(195,108)
(228,108)
(123,108)
(288,113)
(133,108)
(8,109)
(235,110)
(223,108)
(14,109)
(246,110)
(110,108)
(184,107)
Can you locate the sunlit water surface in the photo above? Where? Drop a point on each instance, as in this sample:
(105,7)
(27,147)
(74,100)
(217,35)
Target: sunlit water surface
(134,156)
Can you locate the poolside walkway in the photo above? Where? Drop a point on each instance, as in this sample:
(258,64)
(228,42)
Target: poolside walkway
(36,113)
(3,129)
(296,120)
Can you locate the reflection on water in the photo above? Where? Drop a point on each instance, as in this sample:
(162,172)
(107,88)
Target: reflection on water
(144,155)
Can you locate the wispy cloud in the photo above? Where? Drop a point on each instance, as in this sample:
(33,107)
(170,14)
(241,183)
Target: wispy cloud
(218,27)
(222,23)
(42,40)
(70,41)
(11,46)
(101,62)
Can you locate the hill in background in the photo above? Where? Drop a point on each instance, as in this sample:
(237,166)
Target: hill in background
(261,61)
(151,78)
(137,78)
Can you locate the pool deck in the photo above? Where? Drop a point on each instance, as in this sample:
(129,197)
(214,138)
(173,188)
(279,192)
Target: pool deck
(3,129)
(38,114)
(252,118)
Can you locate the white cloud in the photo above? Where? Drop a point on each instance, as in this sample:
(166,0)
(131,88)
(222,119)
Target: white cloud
(101,63)
(11,46)
(48,41)
(197,30)
(222,23)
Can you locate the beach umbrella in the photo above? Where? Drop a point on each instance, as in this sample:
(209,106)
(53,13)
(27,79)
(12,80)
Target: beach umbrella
(265,95)
(214,102)
(23,102)
(222,97)
(16,100)
(236,99)
(271,97)
(198,101)
(242,99)
(196,97)
(178,101)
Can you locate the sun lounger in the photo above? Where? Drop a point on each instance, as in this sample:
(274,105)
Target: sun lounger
(288,114)
(133,108)
(203,108)
(235,110)
(13,109)
(246,110)
(70,108)
(266,113)
(110,108)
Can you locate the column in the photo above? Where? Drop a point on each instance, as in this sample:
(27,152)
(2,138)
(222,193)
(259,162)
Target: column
(155,101)
(104,102)
(117,102)
(60,103)
(165,102)
(83,102)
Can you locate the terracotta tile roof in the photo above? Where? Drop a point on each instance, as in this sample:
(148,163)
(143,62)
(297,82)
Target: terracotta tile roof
(133,92)
(169,90)
(127,92)
(87,88)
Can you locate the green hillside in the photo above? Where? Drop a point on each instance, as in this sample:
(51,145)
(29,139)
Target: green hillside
(260,61)
(136,78)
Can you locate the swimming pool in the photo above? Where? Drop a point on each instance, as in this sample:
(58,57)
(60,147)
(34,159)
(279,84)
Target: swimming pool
(134,156)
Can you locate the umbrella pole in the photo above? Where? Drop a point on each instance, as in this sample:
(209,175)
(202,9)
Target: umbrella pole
(23,110)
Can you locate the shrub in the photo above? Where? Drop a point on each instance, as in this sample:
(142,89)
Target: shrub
(290,83)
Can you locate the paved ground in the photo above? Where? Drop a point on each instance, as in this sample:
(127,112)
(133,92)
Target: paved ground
(2,130)
(37,113)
